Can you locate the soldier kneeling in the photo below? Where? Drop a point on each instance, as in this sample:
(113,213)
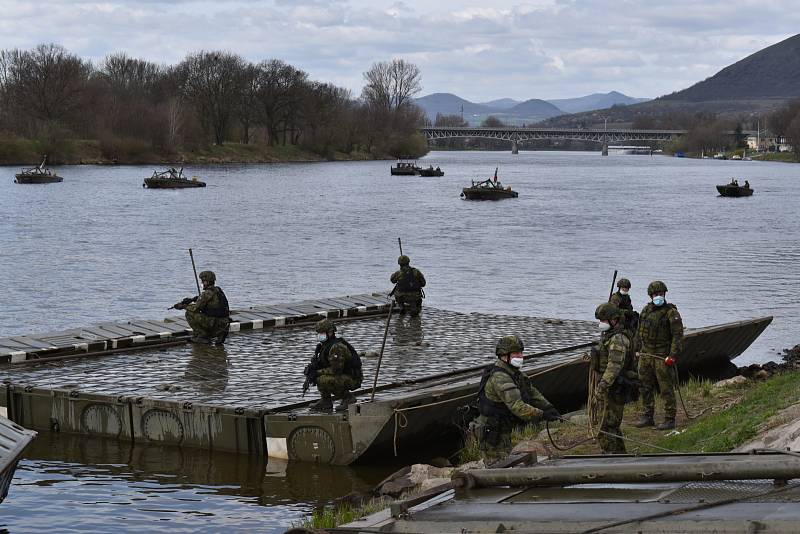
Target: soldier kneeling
(335,369)
(507,398)
(209,314)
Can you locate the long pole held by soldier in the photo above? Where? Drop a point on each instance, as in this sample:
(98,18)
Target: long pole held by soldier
(400,244)
(194,268)
(613,281)
(383,346)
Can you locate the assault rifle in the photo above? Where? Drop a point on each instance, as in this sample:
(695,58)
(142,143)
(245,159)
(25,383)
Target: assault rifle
(311,372)
(182,304)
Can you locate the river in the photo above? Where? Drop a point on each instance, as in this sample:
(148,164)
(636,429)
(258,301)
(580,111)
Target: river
(99,247)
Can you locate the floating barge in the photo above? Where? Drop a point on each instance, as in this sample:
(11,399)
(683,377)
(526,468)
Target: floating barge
(665,493)
(13,441)
(246,397)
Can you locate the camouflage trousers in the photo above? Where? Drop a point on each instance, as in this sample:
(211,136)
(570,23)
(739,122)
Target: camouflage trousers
(206,326)
(337,385)
(410,303)
(654,374)
(611,419)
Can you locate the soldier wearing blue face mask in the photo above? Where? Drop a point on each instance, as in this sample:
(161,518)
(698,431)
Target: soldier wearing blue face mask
(660,341)
(335,369)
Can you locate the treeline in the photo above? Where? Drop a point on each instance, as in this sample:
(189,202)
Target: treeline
(135,108)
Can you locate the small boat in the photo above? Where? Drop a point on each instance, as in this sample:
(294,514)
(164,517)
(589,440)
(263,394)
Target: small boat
(405,168)
(490,189)
(171,179)
(733,189)
(430,171)
(38,175)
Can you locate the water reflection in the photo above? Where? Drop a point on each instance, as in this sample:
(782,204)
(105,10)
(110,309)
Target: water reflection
(208,368)
(91,482)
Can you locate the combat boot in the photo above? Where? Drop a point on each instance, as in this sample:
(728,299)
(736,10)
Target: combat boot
(668,424)
(325,404)
(345,402)
(644,420)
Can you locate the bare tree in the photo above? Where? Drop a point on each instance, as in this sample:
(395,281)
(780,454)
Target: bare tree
(392,85)
(48,80)
(211,82)
(280,91)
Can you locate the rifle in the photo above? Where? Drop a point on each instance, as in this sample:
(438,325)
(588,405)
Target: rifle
(611,293)
(311,372)
(185,302)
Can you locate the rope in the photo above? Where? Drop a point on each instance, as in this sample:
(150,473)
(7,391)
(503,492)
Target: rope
(400,412)
(636,441)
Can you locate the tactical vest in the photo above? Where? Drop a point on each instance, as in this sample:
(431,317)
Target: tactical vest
(499,410)
(623,302)
(408,281)
(218,306)
(352,367)
(655,331)
(627,363)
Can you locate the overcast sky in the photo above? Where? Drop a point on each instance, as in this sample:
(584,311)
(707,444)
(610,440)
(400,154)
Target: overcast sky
(478,50)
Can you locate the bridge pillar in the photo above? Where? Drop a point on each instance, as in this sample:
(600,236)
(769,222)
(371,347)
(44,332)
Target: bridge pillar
(605,149)
(514,147)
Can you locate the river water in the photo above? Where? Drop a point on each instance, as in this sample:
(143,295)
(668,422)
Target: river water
(99,247)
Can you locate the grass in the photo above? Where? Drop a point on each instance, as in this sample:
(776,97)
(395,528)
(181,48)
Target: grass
(728,417)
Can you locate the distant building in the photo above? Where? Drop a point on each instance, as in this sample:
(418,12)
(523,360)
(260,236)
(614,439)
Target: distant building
(767,142)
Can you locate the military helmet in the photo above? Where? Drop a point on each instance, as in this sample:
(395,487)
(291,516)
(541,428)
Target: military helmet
(509,344)
(624,282)
(607,311)
(656,286)
(325,325)
(403,260)
(208,276)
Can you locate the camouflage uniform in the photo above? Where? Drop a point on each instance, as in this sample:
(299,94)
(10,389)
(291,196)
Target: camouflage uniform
(614,359)
(409,283)
(623,302)
(660,334)
(208,316)
(512,401)
(336,376)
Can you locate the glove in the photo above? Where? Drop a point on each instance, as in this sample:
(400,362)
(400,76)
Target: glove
(551,414)
(669,361)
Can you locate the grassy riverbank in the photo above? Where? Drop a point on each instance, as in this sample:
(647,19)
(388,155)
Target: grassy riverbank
(722,419)
(19,151)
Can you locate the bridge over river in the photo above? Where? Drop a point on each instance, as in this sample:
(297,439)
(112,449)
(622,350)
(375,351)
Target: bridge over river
(517,135)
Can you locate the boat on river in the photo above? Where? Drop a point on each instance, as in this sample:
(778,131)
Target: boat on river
(38,175)
(431,172)
(171,179)
(490,189)
(733,189)
(405,168)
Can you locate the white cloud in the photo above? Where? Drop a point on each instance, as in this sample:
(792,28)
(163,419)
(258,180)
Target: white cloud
(521,49)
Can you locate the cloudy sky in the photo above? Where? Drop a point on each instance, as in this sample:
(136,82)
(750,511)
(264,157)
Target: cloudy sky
(480,50)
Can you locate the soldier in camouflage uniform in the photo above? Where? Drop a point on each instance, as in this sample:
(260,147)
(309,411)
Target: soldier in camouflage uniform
(335,369)
(408,290)
(612,361)
(507,398)
(659,341)
(208,314)
(622,300)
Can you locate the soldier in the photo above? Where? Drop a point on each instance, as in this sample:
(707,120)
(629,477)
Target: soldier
(335,369)
(613,362)
(622,300)
(659,341)
(408,290)
(507,398)
(208,314)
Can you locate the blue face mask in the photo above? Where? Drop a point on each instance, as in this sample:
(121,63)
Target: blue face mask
(659,300)
(322,337)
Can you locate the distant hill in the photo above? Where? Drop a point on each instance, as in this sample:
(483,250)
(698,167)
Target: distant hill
(769,73)
(450,104)
(501,103)
(534,109)
(594,101)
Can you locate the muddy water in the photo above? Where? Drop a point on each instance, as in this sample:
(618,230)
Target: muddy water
(99,247)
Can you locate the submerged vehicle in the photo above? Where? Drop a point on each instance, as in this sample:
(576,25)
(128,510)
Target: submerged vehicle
(490,189)
(733,189)
(171,179)
(38,175)
(430,171)
(405,168)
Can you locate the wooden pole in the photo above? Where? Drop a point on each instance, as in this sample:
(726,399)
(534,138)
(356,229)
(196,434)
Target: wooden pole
(383,345)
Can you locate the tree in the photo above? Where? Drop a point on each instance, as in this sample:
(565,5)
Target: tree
(47,81)
(449,121)
(391,85)
(211,82)
(279,90)
(492,122)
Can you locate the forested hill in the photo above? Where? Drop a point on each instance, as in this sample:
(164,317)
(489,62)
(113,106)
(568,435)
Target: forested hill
(769,73)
